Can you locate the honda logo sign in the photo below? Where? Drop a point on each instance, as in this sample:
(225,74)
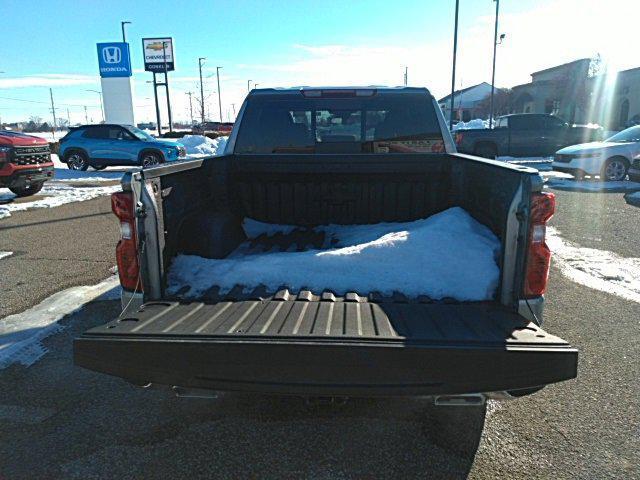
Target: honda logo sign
(113,59)
(111,54)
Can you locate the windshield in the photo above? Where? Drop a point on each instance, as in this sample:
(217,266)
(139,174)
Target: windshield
(139,134)
(376,124)
(629,135)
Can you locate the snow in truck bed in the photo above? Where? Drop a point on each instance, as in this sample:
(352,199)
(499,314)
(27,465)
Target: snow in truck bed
(448,254)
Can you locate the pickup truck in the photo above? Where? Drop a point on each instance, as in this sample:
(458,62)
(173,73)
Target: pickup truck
(25,163)
(524,135)
(308,157)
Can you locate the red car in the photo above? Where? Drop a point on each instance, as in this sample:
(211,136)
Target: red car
(25,163)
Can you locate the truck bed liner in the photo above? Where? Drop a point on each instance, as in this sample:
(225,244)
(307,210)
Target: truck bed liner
(327,345)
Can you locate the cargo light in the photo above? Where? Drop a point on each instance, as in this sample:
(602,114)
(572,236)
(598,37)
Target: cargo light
(339,93)
(543,206)
(127,248)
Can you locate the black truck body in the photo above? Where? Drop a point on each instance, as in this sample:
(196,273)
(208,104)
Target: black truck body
(278,340)
(524,135)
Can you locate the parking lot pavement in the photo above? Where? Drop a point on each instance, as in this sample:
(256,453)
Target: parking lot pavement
(64,422)
(53,249)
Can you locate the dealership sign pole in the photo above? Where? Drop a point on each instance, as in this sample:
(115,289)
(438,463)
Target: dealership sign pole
(115,79)
(158,58)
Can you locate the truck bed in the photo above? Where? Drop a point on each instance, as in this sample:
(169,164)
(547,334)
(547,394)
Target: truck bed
(320,344)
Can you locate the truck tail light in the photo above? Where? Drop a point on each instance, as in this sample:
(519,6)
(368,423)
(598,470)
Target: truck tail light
(127,248)
(543,205)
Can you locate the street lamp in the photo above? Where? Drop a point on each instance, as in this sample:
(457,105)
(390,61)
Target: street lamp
(124,37)
(200,60)
(255,85)
(101,107)
(453,71)
(493,74)
(249,85)
(219,99)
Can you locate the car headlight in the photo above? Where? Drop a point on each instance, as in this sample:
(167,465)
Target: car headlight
(589,155)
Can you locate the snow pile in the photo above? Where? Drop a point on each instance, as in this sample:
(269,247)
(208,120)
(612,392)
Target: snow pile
(21,334)
(201,146)
(593,185)
(475,123)
(598,269)
(5,254)
(63,174)
(54,196)
(447,255)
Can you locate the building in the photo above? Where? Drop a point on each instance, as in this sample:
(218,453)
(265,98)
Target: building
(561,90)
(615,99)
(468,103)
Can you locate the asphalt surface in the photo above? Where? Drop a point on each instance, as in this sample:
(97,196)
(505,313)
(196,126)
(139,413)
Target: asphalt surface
(59,421)
(53,249)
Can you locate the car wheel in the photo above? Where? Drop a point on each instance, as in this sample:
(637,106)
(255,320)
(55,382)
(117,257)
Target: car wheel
(76,160)
(149,159)
(614,169)
(485,150)
(27,190)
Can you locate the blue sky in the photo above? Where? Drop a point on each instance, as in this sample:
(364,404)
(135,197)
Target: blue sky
(52,44)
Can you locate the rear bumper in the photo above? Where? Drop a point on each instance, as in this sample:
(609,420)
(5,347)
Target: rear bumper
(328,348)
(16,176)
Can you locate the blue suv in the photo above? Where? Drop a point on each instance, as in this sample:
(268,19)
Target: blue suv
(101,146)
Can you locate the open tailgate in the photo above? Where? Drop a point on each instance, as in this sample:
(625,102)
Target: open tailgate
(323,345)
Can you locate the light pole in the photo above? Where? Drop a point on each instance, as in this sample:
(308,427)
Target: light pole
(124,37)
(249,85)
(219,99)
(406,75)
(201,90)
(255,85)
(453,72)
(493,73)
(101,107)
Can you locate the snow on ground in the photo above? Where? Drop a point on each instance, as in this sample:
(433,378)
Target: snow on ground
(55,195)
(201,146)
(48,136)
(62,173)
(598,269)
(447,255)
(475,123)
(5,254)
(21,334)
(548,174)
(592,185)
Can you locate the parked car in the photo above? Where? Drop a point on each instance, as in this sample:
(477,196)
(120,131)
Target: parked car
(101,146)
(312,157)
(25,163)
(215,127)
(610,159)
(524,135)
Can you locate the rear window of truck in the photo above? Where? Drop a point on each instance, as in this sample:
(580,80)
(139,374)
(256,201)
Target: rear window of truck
(394,123)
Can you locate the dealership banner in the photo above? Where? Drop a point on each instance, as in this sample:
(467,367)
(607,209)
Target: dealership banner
(156,52)
(114,59)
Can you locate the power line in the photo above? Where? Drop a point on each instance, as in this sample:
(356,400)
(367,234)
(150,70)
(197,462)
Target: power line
(40,102)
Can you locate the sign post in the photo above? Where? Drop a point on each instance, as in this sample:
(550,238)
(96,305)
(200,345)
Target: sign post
(158,58)
(114,63)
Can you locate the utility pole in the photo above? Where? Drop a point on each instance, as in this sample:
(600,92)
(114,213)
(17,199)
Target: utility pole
(493,74)
(68,117)
(219,98)
(190,106)
(201,90)
(86,116)
(406,75)
(453,73)
(124,37)
(53,111)
(233,105)
(249,85)
(101,107)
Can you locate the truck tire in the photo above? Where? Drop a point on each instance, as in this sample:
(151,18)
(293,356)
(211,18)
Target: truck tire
(614,169)
(486,150)
(27,190)
(76,160)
